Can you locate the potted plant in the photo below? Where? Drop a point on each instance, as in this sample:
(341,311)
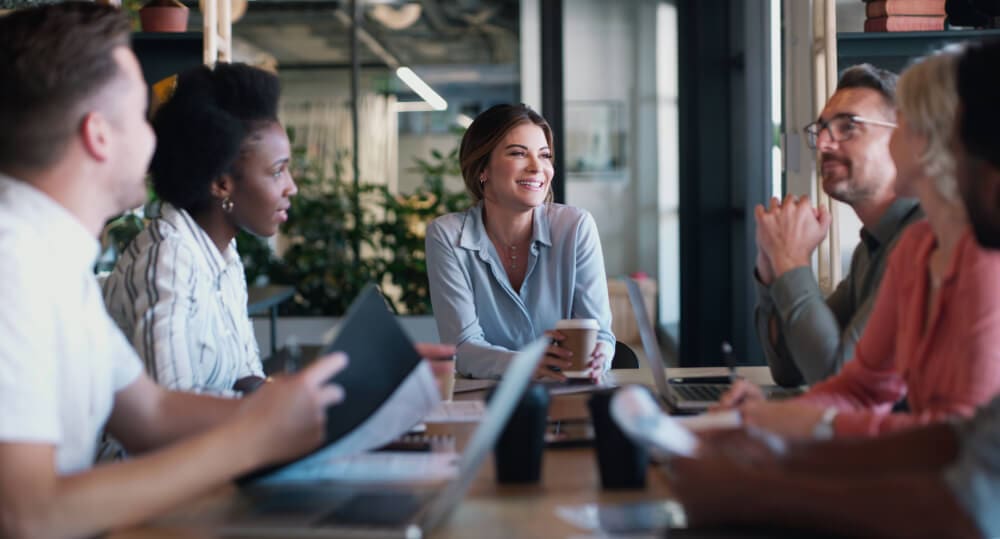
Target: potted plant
(164,16)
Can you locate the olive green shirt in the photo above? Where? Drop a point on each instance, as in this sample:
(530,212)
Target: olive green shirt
(816,335)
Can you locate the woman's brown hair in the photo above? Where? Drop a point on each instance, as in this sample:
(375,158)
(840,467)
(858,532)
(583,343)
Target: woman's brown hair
(485,133)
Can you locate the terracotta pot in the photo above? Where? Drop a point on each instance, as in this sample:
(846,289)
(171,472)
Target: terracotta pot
(164,16)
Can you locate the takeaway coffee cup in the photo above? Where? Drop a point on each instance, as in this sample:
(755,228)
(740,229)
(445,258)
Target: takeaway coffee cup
(518,451)
(581,338)
(621,461)
(444,376)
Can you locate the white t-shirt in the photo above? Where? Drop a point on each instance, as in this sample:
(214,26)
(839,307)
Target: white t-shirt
(61,357)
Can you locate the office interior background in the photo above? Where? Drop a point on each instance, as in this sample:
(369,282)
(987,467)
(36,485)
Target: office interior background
(672,118)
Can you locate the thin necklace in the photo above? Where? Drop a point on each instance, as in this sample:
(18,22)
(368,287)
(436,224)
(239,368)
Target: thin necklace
(509,254)
(512,257)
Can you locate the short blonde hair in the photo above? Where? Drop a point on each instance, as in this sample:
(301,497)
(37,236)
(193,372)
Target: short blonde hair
(927,95)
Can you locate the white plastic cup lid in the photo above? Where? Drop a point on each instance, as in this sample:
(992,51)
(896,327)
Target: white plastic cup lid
(578,323)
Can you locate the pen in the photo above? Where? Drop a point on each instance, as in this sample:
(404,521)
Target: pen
(727,358)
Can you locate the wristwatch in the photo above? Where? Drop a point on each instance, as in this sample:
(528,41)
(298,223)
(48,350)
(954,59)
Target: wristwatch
(824,427)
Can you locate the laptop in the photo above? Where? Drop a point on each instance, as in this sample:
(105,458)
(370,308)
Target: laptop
(410,510)
(686,397)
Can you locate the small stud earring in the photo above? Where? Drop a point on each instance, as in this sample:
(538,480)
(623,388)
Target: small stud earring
(227,205)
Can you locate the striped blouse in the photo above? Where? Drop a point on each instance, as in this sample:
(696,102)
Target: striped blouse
(183,305)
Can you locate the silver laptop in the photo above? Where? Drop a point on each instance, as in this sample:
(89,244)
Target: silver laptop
(689,397)
(411,511)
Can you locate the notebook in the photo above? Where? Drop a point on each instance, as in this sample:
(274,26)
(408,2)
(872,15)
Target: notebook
(324,508)
(380,359)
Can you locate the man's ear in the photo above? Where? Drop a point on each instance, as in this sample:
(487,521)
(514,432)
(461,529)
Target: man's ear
(95,135)
(222,186)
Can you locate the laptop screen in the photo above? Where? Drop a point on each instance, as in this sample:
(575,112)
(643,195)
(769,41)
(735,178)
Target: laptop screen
(653,359)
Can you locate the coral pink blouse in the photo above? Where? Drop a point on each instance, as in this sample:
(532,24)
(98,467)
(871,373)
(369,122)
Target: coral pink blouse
(946,369)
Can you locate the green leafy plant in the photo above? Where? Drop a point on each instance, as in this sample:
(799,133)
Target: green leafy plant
(403,230)
(323,229)
(330,217)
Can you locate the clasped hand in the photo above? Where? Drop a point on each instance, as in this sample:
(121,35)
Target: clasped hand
(787,233)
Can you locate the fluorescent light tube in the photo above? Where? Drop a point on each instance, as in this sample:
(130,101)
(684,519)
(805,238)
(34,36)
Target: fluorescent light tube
(421,88)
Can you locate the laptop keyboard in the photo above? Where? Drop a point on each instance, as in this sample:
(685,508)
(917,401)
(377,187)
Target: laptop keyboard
(699,392)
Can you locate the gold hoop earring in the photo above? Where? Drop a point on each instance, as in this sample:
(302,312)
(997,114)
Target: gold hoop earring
(227,205)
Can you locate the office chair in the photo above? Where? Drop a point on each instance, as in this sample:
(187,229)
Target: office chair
(625,357)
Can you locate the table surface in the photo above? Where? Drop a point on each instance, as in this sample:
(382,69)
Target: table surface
(569,477)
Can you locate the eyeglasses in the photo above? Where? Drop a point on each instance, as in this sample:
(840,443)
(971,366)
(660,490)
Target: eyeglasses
(841,127)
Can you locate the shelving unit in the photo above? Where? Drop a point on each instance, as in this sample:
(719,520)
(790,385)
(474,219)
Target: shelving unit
(894,50)
(162,54)
(217,27)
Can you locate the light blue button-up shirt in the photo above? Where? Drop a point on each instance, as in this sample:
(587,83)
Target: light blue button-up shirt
(477,309)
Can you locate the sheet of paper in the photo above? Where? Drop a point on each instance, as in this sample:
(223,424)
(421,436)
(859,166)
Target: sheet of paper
(411,401)
(728,419)
(457,412)
(380,467)
(640,418)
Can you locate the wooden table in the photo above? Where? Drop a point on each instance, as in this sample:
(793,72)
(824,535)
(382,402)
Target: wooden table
(569,477)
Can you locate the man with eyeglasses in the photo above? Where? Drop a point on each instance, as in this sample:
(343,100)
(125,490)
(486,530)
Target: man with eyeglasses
(807,338)
(940,480)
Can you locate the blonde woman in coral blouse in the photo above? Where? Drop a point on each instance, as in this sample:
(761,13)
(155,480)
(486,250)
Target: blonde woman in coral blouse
(934,333)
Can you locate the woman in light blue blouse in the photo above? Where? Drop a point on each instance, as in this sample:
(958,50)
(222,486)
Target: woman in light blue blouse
(503,272)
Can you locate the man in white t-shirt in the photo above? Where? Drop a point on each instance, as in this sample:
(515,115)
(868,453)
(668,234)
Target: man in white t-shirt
(74,146)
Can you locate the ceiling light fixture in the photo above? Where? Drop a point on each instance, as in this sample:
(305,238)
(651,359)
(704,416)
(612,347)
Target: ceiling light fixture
(421,88)
(396,18)
(463,120)
(413,106)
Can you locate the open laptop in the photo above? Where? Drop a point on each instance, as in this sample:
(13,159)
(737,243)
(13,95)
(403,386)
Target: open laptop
(684,397)
(330,509)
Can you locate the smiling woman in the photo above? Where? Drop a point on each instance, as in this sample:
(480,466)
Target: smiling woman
(178,291)
(505,271)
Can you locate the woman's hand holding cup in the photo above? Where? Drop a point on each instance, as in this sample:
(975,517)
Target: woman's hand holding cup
(555,356)
(599,358)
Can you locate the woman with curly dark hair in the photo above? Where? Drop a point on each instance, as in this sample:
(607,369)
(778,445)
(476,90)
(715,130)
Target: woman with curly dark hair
(178,291)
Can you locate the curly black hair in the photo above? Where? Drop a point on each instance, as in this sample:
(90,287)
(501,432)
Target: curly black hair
(201,128)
